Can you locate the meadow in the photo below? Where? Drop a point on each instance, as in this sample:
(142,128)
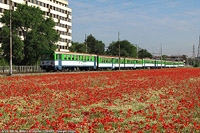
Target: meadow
(159,100)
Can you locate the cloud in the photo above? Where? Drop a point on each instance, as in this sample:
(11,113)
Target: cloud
(147,26)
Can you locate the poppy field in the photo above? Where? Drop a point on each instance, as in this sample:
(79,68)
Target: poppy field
(160,100)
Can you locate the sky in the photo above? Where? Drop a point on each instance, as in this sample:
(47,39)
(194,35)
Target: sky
(150,24)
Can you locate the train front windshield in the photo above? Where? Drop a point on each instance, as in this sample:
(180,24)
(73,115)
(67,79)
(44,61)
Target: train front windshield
(47,56)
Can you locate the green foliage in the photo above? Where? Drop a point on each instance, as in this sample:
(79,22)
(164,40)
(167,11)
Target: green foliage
(37,33)
(126,49)
(78,47)
(143,53)
(94,46)
(164,57)
(197,64)
(3,61)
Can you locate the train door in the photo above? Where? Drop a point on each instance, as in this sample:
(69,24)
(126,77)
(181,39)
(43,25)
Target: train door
(112,63)
(60,62)
(95,62)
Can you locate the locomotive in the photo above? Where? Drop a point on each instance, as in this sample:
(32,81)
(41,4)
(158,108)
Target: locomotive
(70,61)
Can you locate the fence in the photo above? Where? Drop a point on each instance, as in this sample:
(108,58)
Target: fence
(20,69)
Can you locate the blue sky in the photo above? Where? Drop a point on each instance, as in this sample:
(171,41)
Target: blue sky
(148,23)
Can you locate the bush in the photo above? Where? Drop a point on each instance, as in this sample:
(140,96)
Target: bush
(3,61)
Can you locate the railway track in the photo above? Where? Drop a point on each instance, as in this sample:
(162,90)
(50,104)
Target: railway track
(44,73)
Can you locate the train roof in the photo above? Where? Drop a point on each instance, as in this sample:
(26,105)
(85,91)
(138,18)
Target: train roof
(108,56)
(131,58)
(74,53)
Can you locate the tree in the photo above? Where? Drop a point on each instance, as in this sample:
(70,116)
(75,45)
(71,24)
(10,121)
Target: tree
(95,46)
(32,34)
(78,47)
(126,49)
(143,53)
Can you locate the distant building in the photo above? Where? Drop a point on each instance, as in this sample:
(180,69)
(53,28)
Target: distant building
(57,9)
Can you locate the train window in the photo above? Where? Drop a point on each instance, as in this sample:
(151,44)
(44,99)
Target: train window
(72,57)
(65,57)
(86,58)
(80,58)
(83,58)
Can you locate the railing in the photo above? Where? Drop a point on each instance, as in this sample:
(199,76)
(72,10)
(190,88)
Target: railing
(20,69)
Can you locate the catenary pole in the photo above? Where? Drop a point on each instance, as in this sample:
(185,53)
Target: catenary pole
(86,43)
(161,56)
(119,49)
(10,8)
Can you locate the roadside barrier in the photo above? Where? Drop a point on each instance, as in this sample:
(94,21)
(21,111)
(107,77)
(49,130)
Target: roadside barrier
(20,69)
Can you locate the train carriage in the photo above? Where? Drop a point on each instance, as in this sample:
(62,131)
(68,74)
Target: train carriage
(116,63)
(58,60)
(68,60)
(138,63)
(149,63)
(133,63)
(105,62)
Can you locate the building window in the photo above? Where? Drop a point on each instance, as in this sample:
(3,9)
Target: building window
(15,4)
(1,10)
(5,2)
(0,1)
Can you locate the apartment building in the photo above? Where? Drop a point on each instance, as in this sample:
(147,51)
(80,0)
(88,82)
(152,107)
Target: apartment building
(57,9)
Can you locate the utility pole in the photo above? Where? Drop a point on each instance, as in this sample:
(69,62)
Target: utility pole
(161,56)
(86,43)
(193,51)
(136,51)
(10,8)
(198,55)
(178,58)
(193,55)
(119,50)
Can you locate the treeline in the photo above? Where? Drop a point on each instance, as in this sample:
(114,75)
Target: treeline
(94,46)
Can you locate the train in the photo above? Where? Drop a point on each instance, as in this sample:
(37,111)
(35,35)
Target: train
(71,61)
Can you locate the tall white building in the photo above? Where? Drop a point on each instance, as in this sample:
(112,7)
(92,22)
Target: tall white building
(57,9)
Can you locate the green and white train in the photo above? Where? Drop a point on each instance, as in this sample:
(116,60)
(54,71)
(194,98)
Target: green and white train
(53,61)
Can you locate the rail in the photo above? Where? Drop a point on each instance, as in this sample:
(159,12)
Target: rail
(20,69)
